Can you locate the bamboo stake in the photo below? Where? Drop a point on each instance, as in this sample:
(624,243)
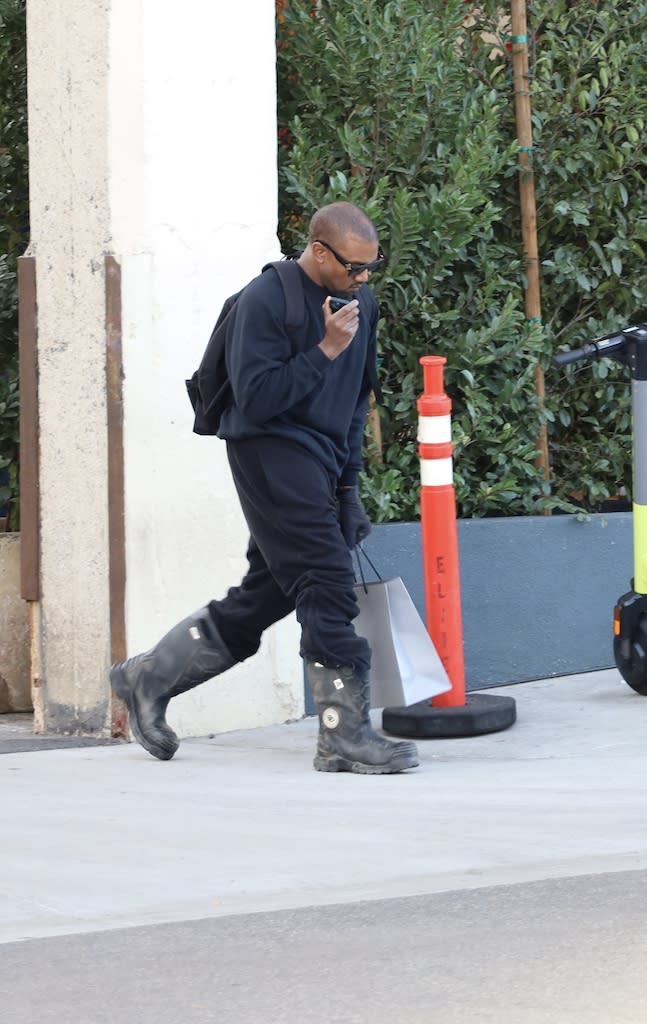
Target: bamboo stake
(519,28)
(375,430)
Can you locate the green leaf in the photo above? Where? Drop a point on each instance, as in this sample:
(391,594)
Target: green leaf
(422,127)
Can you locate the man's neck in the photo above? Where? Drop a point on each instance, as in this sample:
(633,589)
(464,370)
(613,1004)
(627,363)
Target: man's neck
(309,266)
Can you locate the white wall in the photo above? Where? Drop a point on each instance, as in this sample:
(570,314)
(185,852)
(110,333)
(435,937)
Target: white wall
(152,138)
(193,210)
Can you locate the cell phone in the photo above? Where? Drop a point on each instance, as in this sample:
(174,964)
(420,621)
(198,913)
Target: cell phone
(337,303)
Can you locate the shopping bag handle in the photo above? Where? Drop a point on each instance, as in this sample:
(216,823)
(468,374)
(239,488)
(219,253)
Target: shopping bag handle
(358,549)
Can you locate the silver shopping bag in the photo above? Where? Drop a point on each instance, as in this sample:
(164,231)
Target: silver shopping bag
(405,667)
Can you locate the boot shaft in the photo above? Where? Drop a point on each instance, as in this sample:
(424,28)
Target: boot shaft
(190,653)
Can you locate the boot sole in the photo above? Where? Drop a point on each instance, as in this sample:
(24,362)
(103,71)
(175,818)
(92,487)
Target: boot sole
(122,689)
(342,764)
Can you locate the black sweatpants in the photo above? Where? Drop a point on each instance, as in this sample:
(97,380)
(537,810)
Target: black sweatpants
(297,557)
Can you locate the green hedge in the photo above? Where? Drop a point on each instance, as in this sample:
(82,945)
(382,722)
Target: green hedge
(406,107)
(401,106)
(14,233)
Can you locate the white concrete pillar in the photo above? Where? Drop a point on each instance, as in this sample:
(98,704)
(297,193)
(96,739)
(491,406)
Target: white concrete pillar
(153,138)
(69,176)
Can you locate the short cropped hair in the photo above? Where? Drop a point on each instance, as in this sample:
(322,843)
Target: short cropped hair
(338,220)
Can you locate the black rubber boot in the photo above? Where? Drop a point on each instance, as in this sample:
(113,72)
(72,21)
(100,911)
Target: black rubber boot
(347,741)
(189,654)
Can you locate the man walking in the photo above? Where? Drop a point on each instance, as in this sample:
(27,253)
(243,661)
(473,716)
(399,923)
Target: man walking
(294,432)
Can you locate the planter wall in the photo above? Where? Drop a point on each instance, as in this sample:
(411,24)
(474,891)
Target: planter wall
(15,682)
(537,592)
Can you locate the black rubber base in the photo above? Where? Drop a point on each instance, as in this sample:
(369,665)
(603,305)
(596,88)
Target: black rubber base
(481,713)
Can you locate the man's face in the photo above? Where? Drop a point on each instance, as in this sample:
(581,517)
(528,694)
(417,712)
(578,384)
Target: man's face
(335,277)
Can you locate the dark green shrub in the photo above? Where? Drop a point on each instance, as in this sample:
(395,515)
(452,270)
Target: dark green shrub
(590,107)
(14,230)
(404,108)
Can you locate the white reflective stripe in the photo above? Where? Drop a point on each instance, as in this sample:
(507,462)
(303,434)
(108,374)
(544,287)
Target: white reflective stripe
(434,429)
(436,472)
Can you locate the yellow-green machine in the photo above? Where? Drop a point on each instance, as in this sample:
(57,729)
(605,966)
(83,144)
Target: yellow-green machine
(630,613)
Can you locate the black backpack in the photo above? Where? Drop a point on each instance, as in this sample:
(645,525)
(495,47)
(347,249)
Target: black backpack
(209,388)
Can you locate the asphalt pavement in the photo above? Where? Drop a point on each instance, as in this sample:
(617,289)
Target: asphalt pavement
(503,880)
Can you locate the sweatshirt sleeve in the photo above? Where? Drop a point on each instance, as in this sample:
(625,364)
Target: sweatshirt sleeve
(355,461)
(267,377)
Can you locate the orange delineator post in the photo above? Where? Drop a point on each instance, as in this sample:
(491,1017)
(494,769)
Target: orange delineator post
(453,713)
(439,533)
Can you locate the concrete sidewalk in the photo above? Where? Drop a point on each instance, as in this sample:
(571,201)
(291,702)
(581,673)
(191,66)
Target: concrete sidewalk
(502,882)
(104,837)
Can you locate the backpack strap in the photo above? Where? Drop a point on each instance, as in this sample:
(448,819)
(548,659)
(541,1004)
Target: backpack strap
(290,277)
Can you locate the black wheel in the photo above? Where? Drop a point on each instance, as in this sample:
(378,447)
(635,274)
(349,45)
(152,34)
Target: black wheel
(633,668)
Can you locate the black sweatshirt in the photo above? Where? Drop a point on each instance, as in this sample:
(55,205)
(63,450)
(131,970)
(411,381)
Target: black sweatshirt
(285,386)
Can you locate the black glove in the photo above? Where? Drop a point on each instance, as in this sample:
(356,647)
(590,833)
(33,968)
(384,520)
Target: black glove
(355,524)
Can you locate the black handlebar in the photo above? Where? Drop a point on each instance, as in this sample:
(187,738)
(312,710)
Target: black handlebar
(586,352)
(609,346)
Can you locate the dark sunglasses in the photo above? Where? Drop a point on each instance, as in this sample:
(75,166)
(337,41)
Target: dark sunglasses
(354,268)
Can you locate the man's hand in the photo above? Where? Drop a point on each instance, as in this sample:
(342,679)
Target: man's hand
(341,328)
(355,524)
